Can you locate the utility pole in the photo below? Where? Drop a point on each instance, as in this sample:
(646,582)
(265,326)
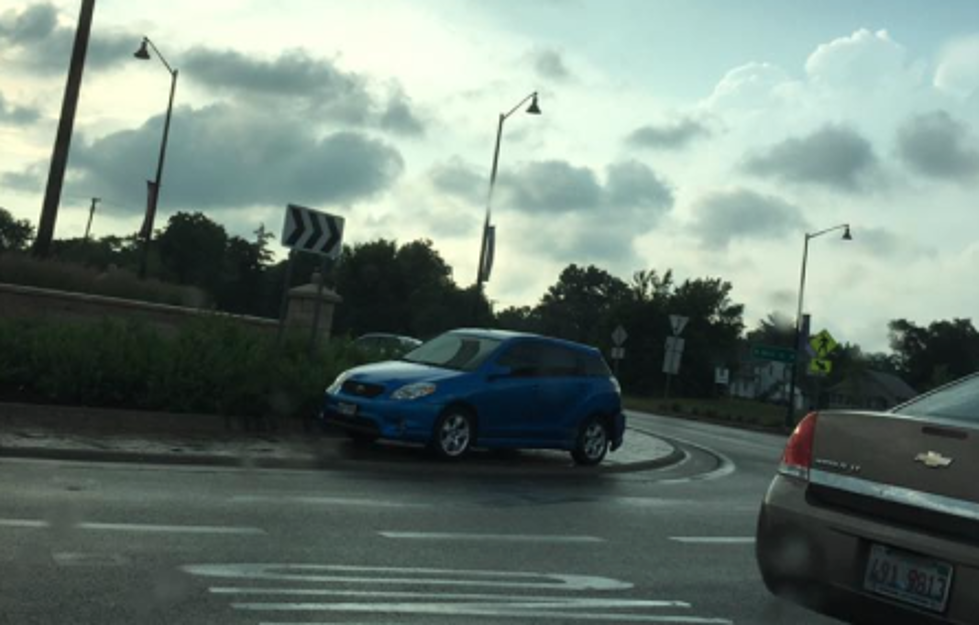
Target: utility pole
(91,213)
(62,143)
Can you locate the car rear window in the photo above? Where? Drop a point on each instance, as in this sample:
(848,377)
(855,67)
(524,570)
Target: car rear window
(959,402)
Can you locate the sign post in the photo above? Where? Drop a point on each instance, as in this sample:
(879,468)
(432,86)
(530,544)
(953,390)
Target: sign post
(313,232)
(619,337)
(674,350)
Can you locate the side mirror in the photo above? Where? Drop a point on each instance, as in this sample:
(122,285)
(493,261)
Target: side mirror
(497,372)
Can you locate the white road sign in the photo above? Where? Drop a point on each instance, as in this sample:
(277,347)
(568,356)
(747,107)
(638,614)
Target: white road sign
(673,355)
(678,323)
(619,335)
(618,353)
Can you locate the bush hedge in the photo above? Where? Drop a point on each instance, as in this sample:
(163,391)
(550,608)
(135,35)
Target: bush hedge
(211,366)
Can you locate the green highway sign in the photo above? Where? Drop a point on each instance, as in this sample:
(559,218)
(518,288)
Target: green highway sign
(769,352)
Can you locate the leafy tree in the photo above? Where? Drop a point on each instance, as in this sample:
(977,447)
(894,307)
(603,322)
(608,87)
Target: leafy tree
(930,356)
(578,307)
(191,250)
(15,234)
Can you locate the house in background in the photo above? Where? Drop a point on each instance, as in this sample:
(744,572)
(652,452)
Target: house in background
(870,390)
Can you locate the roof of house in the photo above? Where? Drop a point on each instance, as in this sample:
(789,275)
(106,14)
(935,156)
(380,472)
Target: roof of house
(888,382)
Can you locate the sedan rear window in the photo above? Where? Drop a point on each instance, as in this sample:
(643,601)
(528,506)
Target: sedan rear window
(959,402)
(454,351)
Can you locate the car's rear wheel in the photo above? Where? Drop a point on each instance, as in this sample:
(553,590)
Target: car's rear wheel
(593,442)
(454,434)
(361,438)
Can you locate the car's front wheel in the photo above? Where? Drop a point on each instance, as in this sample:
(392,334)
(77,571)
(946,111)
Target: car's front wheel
(592,444)
(454,434)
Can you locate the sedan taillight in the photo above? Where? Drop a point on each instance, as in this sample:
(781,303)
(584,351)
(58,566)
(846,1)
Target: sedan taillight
(797,457)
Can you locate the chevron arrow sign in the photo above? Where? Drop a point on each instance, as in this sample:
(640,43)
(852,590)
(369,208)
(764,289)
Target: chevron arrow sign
(308,230)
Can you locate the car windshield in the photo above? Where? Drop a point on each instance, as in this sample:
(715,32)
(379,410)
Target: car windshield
(959,402)
(454,351)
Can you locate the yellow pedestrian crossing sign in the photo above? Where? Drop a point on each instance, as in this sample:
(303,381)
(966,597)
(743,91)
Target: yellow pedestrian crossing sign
(823,344)
(820,366)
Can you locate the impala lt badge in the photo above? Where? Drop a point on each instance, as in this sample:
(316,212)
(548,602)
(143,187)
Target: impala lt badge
(933,460)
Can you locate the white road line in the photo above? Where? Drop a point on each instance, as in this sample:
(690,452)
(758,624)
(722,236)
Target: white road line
(456,610)
(714,540)
(32,523)
(565,601)
(328,501)
(521,538)
(175,529)
(406,576)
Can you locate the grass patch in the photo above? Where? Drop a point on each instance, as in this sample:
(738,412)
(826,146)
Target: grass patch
(725,409)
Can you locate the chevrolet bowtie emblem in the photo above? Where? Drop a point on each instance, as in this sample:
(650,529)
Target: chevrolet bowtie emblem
(933,460)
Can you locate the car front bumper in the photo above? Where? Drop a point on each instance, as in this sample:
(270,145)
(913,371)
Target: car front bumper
(817,556)
(409,420)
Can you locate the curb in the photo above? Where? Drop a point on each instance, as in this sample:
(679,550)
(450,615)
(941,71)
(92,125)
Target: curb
(324,463)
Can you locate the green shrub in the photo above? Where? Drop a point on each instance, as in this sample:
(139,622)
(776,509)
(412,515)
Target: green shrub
(25,270)
(211,366)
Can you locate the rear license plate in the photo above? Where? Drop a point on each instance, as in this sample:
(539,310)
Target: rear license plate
(348,410)
(908,578)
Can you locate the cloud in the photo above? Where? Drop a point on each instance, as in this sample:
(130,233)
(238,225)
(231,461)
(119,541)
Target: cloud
(226,157)
(34,39)
(674,135)
(885,244)
(723,217)
(938,146)
(861,60)
(748,86)
(957,71)
(317,83)
(549,64)
(558,187)
(631,184)
(458,179)
(17,115)
(836,157)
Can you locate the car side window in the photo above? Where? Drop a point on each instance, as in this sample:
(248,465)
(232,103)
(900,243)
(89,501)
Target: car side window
(593,366)
(523,359)
(557,361)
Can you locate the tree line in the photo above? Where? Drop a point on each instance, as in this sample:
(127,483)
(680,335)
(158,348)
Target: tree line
(409,289)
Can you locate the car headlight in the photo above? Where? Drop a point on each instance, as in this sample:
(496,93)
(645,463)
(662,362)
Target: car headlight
(334,388)
(414,391)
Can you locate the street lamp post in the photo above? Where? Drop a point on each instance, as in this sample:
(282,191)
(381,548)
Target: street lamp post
(487,245)
(790,411)
(153,186)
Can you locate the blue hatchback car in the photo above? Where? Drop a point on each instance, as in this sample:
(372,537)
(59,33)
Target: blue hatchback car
(488,389)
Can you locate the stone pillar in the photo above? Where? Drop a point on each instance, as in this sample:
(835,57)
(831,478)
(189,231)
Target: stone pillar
(301,308)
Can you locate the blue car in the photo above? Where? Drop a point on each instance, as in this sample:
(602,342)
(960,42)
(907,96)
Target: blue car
(487,389)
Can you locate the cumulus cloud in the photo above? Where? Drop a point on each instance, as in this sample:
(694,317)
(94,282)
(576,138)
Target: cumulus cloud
(549,64)
(674,135)
(859,60)
(836,157)
(886,244)
(723,217)
(35,39)
(957,71)
(226,157)
(458,179)
(748,86)
(558,187)
(938,146)
(17,115)
(317,83)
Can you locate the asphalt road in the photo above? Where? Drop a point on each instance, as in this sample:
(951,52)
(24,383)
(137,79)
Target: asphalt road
(401,543)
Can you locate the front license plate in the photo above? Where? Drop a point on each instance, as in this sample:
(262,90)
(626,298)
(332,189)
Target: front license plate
(348,410)
(908,578)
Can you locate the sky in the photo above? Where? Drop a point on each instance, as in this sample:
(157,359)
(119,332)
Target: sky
(706,137)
